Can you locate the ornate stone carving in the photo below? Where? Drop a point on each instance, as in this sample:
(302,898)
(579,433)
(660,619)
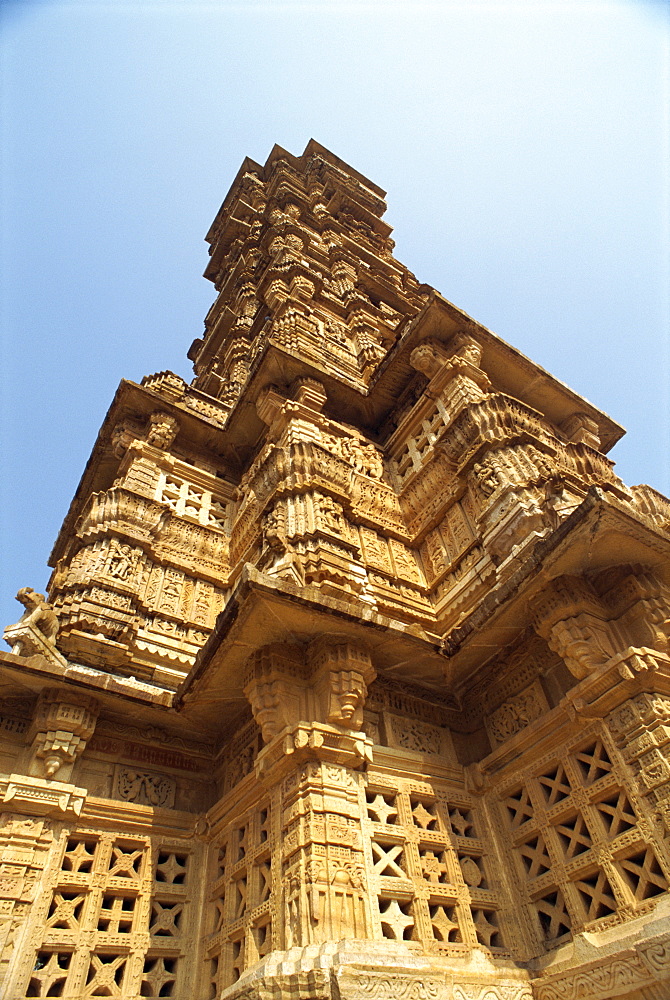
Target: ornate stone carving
(380,648)
(144,787)
(61,727)
(515,714)
(162,430)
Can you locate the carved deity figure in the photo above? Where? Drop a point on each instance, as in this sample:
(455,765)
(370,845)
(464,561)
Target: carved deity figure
(428,359)
(348,691)
(121,561)
(469,350)
(364,457)
(162,430)
(331,514)
(487,477)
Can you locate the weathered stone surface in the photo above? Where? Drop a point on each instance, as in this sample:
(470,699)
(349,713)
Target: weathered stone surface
(353,679)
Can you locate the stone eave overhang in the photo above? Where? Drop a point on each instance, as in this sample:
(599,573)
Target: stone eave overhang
(368,407)
(132,402)
(599,534)
(264,610)
(36,673)
(510,371)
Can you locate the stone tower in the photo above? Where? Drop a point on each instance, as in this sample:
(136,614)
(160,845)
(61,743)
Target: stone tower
(353,677)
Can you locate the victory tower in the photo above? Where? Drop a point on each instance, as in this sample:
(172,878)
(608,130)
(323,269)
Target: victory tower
(353,677)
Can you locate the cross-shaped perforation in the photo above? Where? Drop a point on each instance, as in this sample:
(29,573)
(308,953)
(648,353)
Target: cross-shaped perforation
(573,835)
(219,913)
(65,910)
(596,894)
(388,859)
(434,864)
(643,874)
(616,813)
(593,762)
(265,880)
(240,896)
(221,856)
(263,938)
(49,973)
(165,918)
(519,807)
(553,915)
(214,970)
(105,975)
(241,844)
(116,914)
(264,825)
(534,856)
(238,952)
(555,785)
(218,514)
(125,862)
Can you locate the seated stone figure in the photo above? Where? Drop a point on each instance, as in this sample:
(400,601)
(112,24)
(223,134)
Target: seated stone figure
(36,630)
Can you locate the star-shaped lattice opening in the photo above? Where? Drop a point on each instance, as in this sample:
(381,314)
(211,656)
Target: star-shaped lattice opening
(382,808)
(158,977)
(461,822)
(486,927)
(396,919)
(424,816)
(444,924)
(171,868)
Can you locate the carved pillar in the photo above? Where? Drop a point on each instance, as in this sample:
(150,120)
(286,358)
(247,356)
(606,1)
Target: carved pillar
(59,732)
(342,674)
(24,849)
(309,705)
(274,683)
(621,618)
(571,619)
(641,727)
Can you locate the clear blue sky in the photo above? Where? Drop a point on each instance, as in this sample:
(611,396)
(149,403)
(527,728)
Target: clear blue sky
(524,148)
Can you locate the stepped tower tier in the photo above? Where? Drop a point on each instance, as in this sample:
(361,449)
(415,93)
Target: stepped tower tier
(353,675)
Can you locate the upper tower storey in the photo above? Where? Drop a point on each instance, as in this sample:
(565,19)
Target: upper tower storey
(303,264)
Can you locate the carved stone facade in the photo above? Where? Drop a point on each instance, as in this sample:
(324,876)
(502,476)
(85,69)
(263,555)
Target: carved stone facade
(353,677)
